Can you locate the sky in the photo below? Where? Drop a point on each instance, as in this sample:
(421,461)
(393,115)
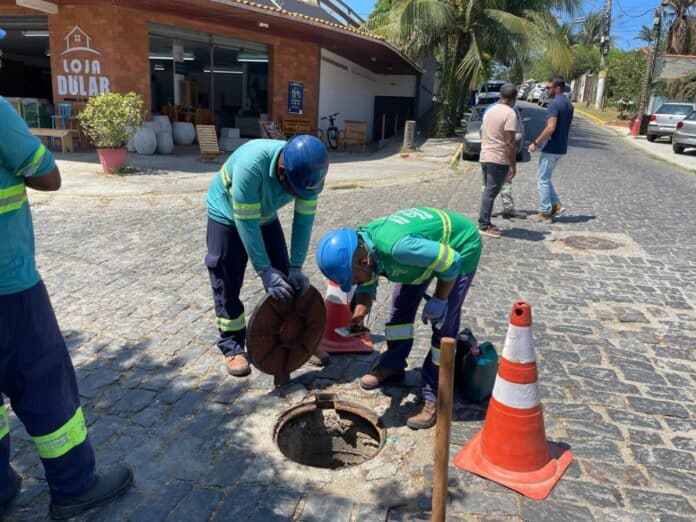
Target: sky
(627,16)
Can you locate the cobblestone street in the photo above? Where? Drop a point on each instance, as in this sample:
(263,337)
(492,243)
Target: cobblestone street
(615,335)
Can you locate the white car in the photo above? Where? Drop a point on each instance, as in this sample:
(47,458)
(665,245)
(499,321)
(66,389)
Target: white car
(536,92)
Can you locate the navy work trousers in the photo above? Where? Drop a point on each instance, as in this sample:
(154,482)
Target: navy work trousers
(36,374)
(400,330)
(226,261)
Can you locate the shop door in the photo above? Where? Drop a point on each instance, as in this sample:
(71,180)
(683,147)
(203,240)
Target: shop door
(390,114)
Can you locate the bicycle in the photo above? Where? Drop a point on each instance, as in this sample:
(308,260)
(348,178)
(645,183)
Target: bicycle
(332,132)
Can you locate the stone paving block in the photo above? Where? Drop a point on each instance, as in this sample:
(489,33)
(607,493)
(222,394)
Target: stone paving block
(675,518)
(92,383)
(664,457)
(150,415)
(483,503)
(278,505)
(684,443)
(632,419)
(553,512)
(659,502)
(685,425)
(240,504)
(370,513)
(160,502)
(596,450)
(645,437)
(572,411)
(672,479)
(576,492)
(579,429)
(197,505)
(321,506)
(228,468)
(611,473)
(134,401)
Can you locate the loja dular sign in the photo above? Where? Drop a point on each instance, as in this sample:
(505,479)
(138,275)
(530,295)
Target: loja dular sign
(80,76)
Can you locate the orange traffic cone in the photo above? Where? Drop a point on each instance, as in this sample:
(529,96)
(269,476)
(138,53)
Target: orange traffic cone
(635,128)
(338,315)
(511,449)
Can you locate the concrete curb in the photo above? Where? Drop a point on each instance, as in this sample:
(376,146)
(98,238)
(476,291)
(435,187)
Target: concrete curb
(591,117)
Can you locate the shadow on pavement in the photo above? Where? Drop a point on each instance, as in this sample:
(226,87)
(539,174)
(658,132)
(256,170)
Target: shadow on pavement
(575,219)
(525,234)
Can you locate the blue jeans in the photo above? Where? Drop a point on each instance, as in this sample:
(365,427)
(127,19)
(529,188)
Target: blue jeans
(547,194)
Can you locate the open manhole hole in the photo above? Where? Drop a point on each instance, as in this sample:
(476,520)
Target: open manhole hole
(329,433)
(591,243)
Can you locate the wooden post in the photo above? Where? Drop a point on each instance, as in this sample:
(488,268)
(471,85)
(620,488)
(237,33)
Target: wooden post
(442,428)
(384,125)
(410,135)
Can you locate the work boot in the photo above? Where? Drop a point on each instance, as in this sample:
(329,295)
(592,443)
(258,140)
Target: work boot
(379,375)
(320,358)
(107,488)
(557,209)
(542,218)
(15,491)
(425,419)
(237,365)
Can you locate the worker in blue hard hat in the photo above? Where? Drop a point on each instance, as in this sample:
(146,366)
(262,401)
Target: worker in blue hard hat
(36,373)
(257,180)
(411,248)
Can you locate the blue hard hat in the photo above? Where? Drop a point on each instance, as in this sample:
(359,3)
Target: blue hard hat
(335,256)
(2,34)
(306,162)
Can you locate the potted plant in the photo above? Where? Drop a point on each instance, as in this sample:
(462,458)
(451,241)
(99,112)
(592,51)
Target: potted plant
(109,120)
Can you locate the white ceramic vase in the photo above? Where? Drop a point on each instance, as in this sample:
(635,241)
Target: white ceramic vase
(183,132)
(145,141)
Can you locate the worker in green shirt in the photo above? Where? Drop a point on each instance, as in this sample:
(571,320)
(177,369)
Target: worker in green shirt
(411,248)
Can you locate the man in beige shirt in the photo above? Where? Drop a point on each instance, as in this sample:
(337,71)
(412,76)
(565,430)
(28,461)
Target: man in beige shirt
(498,154)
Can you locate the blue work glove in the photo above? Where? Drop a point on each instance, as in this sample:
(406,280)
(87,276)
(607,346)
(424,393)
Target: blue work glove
(275,284)
(298,280)
(435,311)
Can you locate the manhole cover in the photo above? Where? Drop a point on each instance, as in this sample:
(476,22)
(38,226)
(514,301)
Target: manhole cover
(590,243)
(329,433)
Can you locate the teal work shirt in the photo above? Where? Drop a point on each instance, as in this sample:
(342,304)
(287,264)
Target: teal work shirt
(247,194)
(21,156)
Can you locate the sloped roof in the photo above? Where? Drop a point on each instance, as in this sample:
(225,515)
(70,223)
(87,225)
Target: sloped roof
(299,7)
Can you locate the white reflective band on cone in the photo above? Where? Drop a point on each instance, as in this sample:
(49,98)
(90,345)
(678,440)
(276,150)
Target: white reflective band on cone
(334,294)
(519,345)
(521,396)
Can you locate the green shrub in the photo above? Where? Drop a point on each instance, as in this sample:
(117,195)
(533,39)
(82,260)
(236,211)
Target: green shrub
(109,120)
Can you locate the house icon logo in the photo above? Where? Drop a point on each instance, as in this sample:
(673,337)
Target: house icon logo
(77,40)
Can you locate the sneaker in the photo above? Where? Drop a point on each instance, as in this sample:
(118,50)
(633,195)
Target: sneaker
(237,365)
(541,218)
(425,419)
(15,491)
(557,209)
(320,358)
(490,231)
(379,375)
(107,488)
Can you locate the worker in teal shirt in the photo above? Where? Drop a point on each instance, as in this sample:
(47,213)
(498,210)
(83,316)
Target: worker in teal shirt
(36,372)
(257,180)
(410,247)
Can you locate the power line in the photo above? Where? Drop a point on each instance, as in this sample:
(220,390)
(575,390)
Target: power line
(630,15)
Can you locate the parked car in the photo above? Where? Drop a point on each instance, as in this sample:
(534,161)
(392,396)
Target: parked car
(472,135)
(535,92)
(489,92)
(663,122)
(685,134)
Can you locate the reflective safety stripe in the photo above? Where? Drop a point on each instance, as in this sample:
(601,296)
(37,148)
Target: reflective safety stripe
(56,444)
(247,210)
(444,260)
(226,177)
(4,422)
(12,198)
(521,396)
(519,344)
(305,207)
(34,163)
(399,332)
(435,351)
(231,325)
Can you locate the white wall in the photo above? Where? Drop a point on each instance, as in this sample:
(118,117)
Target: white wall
(350,89)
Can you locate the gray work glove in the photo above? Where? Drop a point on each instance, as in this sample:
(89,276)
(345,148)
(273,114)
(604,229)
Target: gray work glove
(275,284)
(435,311)
(298,280)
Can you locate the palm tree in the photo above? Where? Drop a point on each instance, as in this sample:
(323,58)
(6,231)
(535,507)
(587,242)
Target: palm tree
(646,34)
(470,35)
(678,40)
(591,31)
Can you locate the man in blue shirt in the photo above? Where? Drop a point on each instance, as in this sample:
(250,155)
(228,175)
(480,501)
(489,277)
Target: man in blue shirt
(258,179)
(553,142)
(36,372)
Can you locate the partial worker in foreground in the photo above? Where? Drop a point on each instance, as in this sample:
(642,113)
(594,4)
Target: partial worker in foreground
(411,248)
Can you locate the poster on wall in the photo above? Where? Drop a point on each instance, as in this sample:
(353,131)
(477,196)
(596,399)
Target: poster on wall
(295,97)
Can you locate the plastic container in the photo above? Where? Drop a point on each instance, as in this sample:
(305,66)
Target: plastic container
(475,373)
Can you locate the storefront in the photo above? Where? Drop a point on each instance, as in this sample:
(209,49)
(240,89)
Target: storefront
(232,62)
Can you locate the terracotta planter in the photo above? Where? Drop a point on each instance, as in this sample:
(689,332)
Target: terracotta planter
(112,159)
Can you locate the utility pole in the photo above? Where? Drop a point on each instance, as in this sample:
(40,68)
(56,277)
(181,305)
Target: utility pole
(650,65)
(604,50)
